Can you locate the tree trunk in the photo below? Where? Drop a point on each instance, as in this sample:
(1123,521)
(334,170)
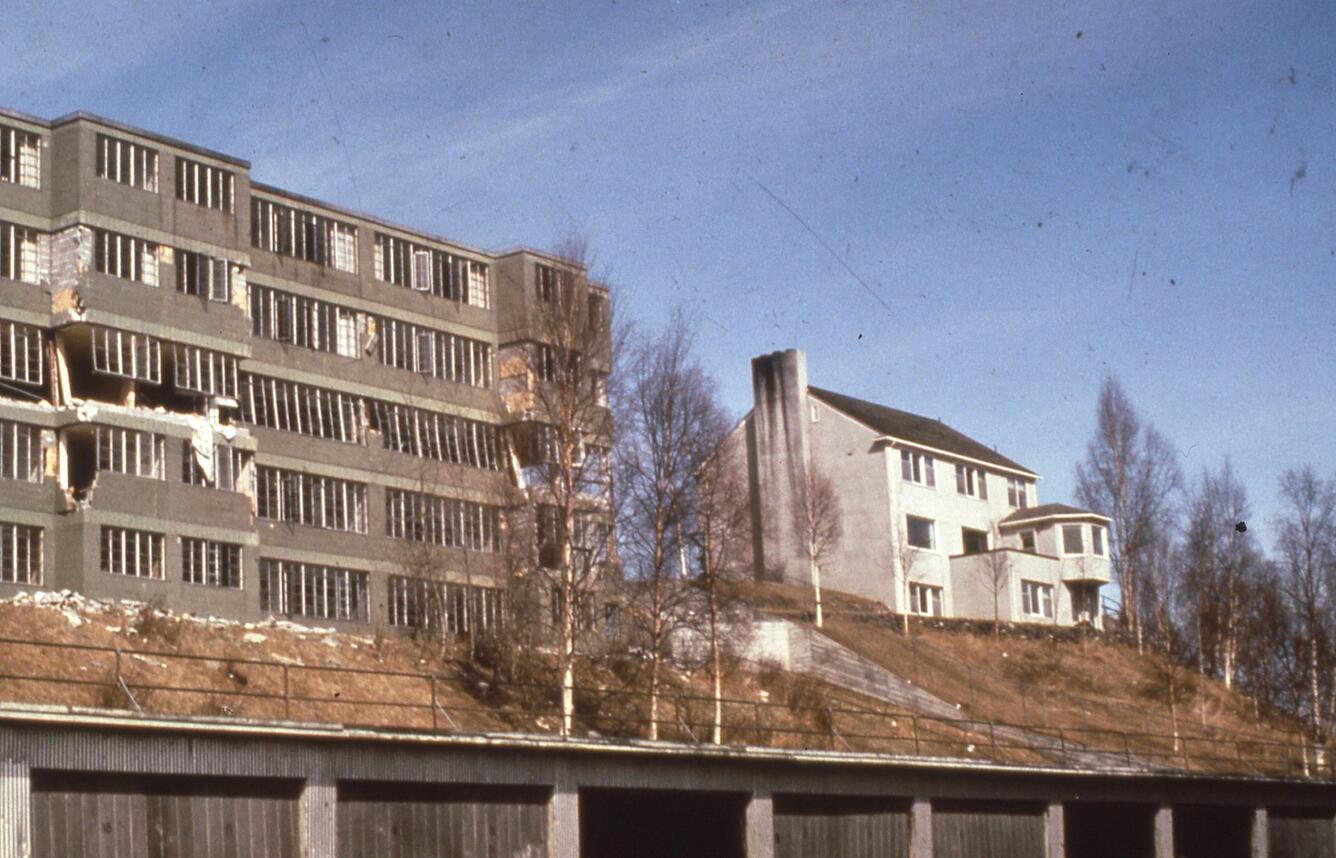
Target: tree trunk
(654,693)
(816,591)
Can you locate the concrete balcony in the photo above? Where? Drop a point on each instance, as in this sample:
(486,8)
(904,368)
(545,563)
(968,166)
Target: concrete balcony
(1086,567)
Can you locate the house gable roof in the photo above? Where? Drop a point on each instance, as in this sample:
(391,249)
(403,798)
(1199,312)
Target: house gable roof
(915,429)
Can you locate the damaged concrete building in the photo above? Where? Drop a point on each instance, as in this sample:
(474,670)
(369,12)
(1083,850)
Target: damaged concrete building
(230,399)
(934,522)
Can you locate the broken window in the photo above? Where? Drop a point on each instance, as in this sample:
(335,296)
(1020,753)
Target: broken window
(1018,494)
(20,452)
(203,276)
(436,272)
(203,371)
(126,257)
(20,253)
(430,435)
(448,522)
(214,564)
(925,599)
(1037,599)
(130,451)
(446,356)
(20,353)
(127,354)
(20,157)
(311,590)
(303,409)
(204,185)
(296,497)
(20,553)
(419,603)
(918,468)
(301,321)
(137,553)
(132,164)
(971,481)
(303,235)
(228,465)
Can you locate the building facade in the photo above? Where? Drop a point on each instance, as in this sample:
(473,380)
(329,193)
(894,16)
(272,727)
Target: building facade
(235,400)
(932,521)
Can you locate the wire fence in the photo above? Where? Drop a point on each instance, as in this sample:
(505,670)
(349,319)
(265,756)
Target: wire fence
(272,690)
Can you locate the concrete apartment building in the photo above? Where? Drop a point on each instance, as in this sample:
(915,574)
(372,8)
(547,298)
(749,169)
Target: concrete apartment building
(934,522)
(238,401)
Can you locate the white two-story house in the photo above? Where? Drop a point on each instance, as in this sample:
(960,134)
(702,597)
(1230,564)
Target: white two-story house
(933,522)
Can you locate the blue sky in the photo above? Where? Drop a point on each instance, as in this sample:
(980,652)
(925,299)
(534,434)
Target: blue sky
(973,211)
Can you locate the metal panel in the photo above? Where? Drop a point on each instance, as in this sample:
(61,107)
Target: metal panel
(1300,835)
(460,821)
(92,815)
(987,830)
(843,827)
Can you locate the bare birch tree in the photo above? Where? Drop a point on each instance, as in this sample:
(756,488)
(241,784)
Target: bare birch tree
(818,525)
(994,573)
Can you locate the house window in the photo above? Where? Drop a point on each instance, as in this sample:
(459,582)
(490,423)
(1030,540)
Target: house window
(1097,540)
(214,564)
(920,531)
(204,185)
(1085,602)
(598,312)
(302,409)
(446,356)
(132,164)
(447,522)
(344,238)
(1071,539)
(1018,495)
(1037,599)
(971,481)
(20,554)
(136,553)
(20,157)
(925,600)
(315,501)
(130,452)
(546,277)
(227,467)
(204,371)
(20,253)
(436,436)
(303,235)
(973,541)
(203,276)
(547,363)
(20,452)
(917,468)
(425,269)
(20,353)
(301,321)
(128,355)
(310,590)
(1027,541)
(479,293)
(126,257)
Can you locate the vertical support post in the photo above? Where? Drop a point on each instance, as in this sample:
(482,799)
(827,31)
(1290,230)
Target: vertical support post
(761,825)
(316,818)
(563,817)
(920,829)
(15,809)
(1057,833)
(1261,840)
(1164,832)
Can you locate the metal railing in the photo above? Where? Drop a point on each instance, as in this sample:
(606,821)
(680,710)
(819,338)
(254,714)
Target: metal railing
(273,690)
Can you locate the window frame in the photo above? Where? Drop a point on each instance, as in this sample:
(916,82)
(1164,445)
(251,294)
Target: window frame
(1066,531)
(910,521)
(1037,599)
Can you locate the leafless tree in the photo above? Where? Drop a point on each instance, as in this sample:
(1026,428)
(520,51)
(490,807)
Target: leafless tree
(1172,680)
(818,525)
(994,572)
(1306,543)
(668,422)
(1131,475)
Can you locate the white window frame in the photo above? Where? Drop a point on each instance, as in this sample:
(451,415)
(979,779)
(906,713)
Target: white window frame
(971,481)
(20,157)
(21,553)
(133,553)
(932,532)
(918,468)
(1037,599)
(21,353)
(1079,530)
(1018,493)
(20,452)
(925,600)
(139,169)
(212,564)
(1098,541)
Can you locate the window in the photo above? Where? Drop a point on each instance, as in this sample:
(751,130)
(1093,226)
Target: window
(1018,493)
(430,435)
(301,321)
(20,253)
(1027,541)
(426,269)
(20,554)
(917,468)
(1037,599)
(598,311)
(1071,539)
(225,469)
(971,481)
(137,553)
(310,590)
(303,409)
(546,278)
(315,501)
(20,353)
(204,276)
(920,531)
(419,603)
(129,451)
(547,363)
(303,235)
(126,257)
(1097,540)
(128,355)
(132,164)
(973,541)
(20,157)
(204,185)
(446,356)
(447,522)
(214,564)
(925,600)
(204,371)
(20,452)
(345,329)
